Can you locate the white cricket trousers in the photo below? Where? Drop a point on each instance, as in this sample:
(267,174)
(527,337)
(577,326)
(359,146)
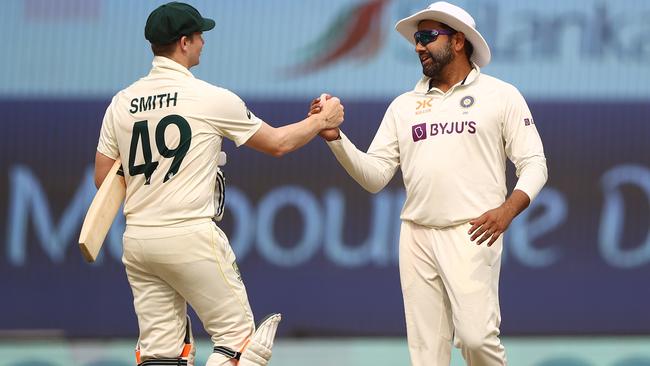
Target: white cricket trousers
(450,289)
(168,267)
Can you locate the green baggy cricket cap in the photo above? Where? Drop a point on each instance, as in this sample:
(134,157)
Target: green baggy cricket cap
(171,21)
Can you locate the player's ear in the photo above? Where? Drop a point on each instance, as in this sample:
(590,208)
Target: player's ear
(184,41)
(460,39)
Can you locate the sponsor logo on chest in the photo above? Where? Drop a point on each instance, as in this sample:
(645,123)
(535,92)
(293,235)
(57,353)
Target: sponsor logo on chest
(421,131)
(423,105)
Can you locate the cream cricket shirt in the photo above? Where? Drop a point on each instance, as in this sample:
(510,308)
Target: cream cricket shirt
(452,149)
(168,128)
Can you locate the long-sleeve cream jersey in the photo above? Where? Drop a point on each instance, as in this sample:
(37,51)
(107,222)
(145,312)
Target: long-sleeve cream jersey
(168,128)
(452,149)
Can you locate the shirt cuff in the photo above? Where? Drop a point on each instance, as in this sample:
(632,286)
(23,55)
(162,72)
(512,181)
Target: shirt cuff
(108,154)
(532,182)
(244,138)
(338,143)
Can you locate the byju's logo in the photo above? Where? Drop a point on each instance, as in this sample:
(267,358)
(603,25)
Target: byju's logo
(419,132)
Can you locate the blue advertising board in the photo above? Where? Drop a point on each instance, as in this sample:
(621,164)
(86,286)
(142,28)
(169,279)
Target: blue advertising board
(312,244)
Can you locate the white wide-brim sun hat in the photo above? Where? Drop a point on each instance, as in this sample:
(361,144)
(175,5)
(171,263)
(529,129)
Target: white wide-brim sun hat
(453,16)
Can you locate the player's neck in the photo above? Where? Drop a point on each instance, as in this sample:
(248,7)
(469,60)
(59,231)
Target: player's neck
(180,59)
(451,75)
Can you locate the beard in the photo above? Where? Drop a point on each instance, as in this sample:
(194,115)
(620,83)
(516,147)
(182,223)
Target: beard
(433,64)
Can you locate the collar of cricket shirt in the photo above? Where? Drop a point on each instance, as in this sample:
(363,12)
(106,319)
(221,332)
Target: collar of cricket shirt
(163,64)
(422,85)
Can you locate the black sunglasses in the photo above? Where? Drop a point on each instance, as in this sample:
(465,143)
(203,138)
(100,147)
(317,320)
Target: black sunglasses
(424,37)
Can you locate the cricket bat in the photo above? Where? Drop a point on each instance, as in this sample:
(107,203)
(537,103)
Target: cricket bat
(102,211)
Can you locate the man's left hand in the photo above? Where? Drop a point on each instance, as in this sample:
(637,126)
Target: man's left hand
(491,225)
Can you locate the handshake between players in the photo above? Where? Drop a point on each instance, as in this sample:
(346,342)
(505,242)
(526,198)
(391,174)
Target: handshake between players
(317,105)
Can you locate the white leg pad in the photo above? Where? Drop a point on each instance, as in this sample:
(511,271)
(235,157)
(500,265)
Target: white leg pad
(258,351)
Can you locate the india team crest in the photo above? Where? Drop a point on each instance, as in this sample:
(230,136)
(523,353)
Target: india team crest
(467,101)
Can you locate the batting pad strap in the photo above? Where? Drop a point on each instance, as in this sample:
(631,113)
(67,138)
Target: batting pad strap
(227,352)
(164,362)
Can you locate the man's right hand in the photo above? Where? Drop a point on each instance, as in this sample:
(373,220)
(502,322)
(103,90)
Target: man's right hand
(332,112)
(329,134)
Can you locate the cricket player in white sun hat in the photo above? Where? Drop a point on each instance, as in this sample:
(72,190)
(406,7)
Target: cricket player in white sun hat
(451,136)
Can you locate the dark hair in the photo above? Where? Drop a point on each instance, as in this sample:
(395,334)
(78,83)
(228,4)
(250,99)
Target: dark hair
(469,48)
(163,49)
(167,49)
